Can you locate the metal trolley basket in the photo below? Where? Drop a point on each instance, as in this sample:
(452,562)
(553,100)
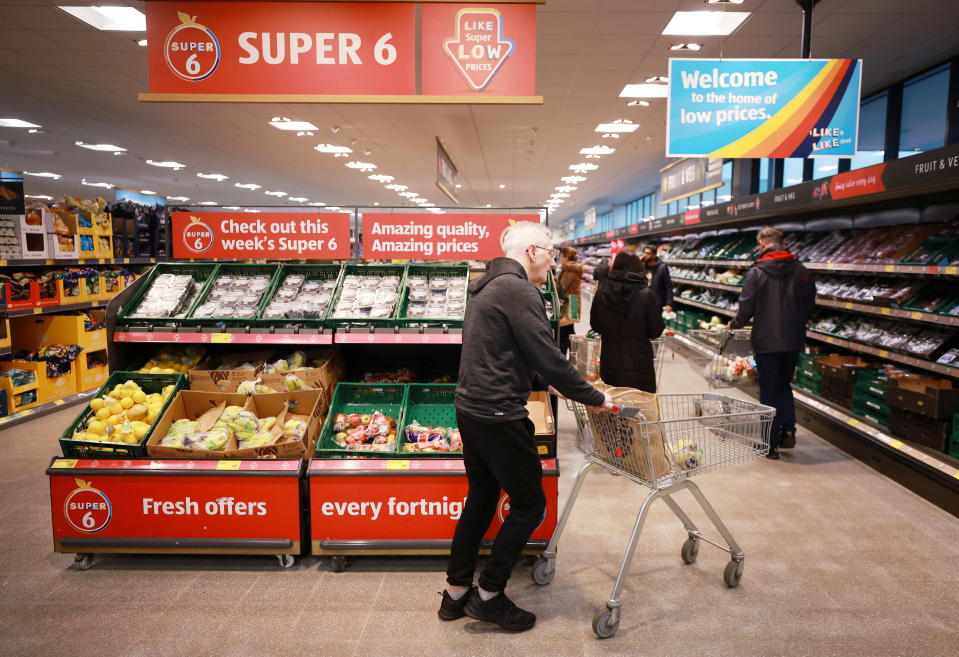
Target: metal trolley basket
(663,448)
(733,364)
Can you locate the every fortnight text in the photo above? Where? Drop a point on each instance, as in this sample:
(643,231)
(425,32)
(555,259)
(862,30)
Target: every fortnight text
(394,507)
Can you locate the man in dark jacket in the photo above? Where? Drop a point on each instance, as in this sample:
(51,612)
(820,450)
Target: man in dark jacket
(778,295)
(661,283)
(507,341)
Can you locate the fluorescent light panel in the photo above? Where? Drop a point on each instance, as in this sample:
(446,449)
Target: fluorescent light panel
(287,124)
(332,148)
(166,165)
(115,19)
(597,150)
(705,23)
(646,90)
(219,177)
(43,174)
(16,123)
(617,127)
(101,147)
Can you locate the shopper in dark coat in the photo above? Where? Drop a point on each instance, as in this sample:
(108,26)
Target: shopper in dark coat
(661,283)
(778,296)
(627,316)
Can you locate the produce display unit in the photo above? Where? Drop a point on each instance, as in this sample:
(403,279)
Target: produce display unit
(190,505)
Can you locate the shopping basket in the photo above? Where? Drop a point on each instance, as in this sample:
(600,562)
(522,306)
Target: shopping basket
(662,442)
(733,364)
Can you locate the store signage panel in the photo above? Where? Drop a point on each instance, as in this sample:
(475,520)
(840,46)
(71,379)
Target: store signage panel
(268,235)
(479,50)
(445,172)
(151,506)
(281,48)
(140,199)
(756,108)
(11,192)
(690,176)
(589,218)
(422,236)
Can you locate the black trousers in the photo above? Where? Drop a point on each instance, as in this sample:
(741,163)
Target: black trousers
(496,456)
(775,372)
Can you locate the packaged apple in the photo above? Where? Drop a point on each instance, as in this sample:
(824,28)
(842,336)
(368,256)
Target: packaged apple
(374,432)
(425,439)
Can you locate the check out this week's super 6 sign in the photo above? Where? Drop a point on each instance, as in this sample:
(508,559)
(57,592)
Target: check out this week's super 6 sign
(763,108)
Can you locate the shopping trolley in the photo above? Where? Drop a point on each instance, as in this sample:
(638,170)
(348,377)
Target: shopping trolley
(662,447)
(733,364)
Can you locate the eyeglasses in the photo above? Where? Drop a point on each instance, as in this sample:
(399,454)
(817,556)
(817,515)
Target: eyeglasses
(552,252)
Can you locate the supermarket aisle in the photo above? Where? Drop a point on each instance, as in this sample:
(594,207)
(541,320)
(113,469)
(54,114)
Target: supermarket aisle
(840,561)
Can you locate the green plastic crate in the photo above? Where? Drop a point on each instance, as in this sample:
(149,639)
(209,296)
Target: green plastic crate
(430,404)
(431,272)
(873,406)
(311,273)
(875,417)
(149,383)
(368,270)
(363,398)
(232,270)
(202,273)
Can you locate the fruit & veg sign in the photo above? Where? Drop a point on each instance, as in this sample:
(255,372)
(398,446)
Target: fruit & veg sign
(739,108)
(273,235)
(430,237)
(365,51)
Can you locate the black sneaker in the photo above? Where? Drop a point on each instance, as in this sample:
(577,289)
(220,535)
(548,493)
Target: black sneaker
(501,611)
(773,453)
(788,440)
(451,609)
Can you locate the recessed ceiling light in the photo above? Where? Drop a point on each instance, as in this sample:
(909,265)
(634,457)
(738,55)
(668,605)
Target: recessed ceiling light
(502,186)
(361,166)
(318,204)
(41,197)
(298,199)
(178,198)
(275,193)
(408,194)
(597,150)
(142,43)
(332,148)
(685,46)
(573,179)
(105,185)
(657,78)
(101,147)
(705,23)
(176,166)
(207,203)
(16,123)
(36,131)
(458,186)
(379,177)
(397,188)
(583,166)
(489,205)
(567,188)
(253,186)
(646,90)
(43,174)
(283,123)
(375,202)
(617,126)
(559,195)
(219,177)
(118,19)
(147,191)
(640,103)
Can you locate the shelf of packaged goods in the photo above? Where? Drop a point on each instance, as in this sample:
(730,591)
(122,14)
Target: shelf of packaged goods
(44,409)
(868,430)
(187,337)
(911,361)
(882,269)
(706,306)
(739,264)
(898,313)
(42,310)
(718,286)
(43,262)
(398,336)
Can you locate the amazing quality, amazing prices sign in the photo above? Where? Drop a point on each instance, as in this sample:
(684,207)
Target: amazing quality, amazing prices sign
(763,108)
(270,235)
(415,236)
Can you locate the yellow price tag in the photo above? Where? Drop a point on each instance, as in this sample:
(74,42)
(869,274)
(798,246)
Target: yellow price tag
(126,261)
(58,402)
(916,315)
(952,271)
(64,463)
(895,443)
(890,268)
(847,305)
(883,353)
(38,311)
(50,261)
(228,465)
(885,311)
(831,265)
(3,263)
(853,422)
(542,449)
(398,465)
(221,338)
(956,474)
(25,413)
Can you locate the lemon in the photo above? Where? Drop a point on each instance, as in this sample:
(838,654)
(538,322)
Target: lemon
(113,420)
(96,404)
(140,430)
(103,413)
(97,427)
(139,396)
(126,402)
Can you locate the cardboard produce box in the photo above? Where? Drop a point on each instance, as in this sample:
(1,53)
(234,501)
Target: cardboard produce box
(207,378)
(839,367)
(304,405)
(919,428)
(540,412)
(326,376)
(205,407)
(935,398)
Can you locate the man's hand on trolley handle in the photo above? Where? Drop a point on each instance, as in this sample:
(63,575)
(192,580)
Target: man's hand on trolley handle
(607,404)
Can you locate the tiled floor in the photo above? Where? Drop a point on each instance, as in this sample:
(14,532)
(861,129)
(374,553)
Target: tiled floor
(840,561)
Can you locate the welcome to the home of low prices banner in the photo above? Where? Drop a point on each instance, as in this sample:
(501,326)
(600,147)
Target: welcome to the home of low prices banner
(763,108)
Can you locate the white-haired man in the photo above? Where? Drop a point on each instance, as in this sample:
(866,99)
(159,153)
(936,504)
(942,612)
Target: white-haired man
(507,342)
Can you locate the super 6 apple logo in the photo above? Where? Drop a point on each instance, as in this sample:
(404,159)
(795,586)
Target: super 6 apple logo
(197,236)
(479,48)
(191,50)
(87,509)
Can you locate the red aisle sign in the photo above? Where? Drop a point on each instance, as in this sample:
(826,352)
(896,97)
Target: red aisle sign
(281,47)
(151,506)
(270,235)
(437,237)
(481,50)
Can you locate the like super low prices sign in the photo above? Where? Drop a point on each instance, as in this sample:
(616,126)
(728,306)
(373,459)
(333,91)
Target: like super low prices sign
(273,235)
(750,108)
(430,237)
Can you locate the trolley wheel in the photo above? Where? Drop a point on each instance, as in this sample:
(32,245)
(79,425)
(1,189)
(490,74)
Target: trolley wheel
(690,550)
(83,561)
(338,563)
(603,625)
(286,560)
(733,573)
(543,571)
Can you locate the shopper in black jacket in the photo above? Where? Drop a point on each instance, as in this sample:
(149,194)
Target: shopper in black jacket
(507,341)
(661,283)
(778,296)
(627,316)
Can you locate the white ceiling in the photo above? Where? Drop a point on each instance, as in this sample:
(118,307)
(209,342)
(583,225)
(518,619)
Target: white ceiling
(81,84)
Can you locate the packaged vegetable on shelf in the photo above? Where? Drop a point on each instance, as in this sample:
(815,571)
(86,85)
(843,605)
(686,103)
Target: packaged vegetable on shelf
(425,439)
